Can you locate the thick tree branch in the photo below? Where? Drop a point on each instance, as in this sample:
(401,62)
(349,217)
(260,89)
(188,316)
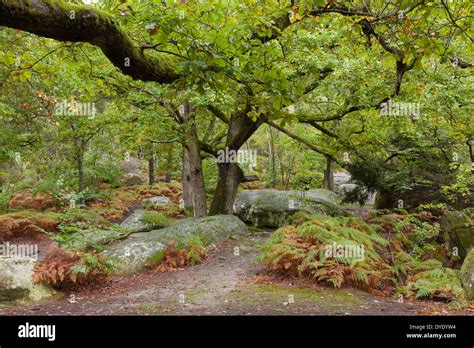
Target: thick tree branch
(79,23)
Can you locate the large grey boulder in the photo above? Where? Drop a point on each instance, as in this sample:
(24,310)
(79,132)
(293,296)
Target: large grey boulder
(131,179)
(16,280)
(273,208)
(157,201)
(134,221)
(467,275)
(130,166)
(133,254)
(458,230)
(341,178)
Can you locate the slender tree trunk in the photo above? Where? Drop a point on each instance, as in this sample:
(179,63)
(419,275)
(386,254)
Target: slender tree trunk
(187,186)
(329,175)
(279,160)
(193,155)
(80,171)
(272,157)
(2,179)
(230,177)
(169,164)
(80,149)
(151,170)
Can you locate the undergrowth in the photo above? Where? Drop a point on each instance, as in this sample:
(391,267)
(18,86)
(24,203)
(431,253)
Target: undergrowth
(180,254)
(155,219)
(65,268)
(396,255)
(441,284)
(302,251)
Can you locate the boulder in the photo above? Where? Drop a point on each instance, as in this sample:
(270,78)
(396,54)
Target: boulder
(458,230)
(131,179)
(157,201)
(130,166)
(273,208)
(143,221)
(467,275)
(341,178)
(133,254)
(134,221)
(16,280)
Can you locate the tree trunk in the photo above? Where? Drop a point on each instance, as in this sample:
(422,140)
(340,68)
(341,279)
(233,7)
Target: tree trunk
(241,128)
(329,174)
(80,149)
(272,157)
(80,171)
(151,170)
(230,177)
(193,155)
(187,186)
(169,164)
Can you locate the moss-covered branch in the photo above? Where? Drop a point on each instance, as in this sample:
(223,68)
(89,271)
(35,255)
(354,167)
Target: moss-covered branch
(79,23)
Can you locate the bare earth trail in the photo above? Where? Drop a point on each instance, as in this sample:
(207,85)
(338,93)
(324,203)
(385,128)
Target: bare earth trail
(226,284)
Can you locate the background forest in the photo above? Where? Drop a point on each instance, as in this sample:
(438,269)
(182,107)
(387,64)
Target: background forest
(351,122)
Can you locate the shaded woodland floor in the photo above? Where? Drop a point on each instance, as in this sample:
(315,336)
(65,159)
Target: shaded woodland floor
(225,284)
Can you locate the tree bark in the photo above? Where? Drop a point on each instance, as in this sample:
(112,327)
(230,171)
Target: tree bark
(80,170)
(83,23)
(187,186)
(151,170)
(241,128)
(195,175)
(169,164)
(329,174)
(230,177)
(272,157)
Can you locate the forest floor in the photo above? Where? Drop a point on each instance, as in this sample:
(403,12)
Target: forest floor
(225,284)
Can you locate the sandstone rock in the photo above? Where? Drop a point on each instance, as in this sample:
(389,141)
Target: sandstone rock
(458,230)
(133,254)
(272,208)
(467,275)
(130,166)
(157,201)
(131,179)
(16,280)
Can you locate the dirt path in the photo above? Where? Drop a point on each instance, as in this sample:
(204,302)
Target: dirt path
(226,284)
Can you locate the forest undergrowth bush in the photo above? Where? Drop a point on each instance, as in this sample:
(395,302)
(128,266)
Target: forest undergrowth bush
(28,223)
(399,255)
(302,251)
(63,269)
(115,204)
(440,284)
(180,254)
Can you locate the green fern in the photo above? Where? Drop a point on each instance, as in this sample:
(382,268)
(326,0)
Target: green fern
(441,283)
(301,250)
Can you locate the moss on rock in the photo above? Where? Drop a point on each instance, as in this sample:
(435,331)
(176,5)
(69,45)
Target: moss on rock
(467,275)
(458,231)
